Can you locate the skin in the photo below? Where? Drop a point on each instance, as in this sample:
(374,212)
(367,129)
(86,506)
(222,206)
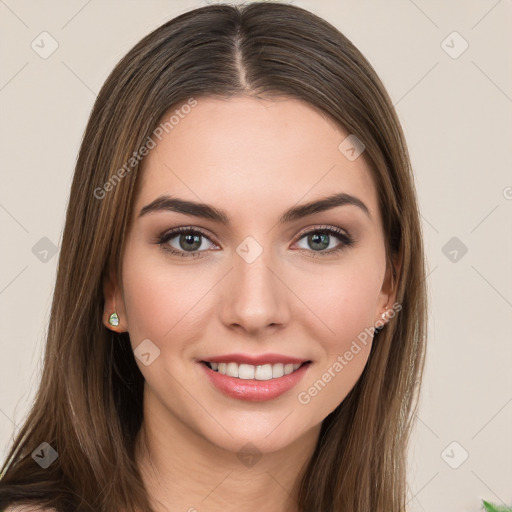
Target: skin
(254,159)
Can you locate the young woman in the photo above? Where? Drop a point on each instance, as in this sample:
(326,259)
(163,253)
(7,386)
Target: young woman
(240,311)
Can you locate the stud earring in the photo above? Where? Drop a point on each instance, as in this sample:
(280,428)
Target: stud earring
(383,317)
(113,319)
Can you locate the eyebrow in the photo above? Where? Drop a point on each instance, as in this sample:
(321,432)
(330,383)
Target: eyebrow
(202,210)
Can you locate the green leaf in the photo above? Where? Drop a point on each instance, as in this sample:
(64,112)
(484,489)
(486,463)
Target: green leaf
(489,507)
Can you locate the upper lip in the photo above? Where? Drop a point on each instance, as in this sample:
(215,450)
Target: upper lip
(255,360)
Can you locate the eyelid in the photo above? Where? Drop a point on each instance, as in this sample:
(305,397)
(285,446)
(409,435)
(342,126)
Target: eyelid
(320,227)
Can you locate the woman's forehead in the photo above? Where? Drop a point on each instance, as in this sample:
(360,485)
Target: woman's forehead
(259,151)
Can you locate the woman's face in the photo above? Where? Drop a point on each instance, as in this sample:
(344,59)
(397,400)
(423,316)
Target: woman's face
(251,282)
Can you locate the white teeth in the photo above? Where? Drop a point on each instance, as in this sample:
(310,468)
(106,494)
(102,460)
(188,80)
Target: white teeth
(260,372)
(277,370)
(245,371)
(263,372)
(232,370)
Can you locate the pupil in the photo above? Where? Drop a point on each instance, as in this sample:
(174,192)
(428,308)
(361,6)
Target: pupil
(190,239)
(321,239)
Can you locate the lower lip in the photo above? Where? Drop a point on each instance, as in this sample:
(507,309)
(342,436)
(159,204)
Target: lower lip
(255,390)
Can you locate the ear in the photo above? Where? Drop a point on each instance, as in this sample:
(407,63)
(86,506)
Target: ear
(388,291)
(113,303)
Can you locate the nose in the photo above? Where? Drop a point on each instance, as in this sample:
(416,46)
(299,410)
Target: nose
(254,297)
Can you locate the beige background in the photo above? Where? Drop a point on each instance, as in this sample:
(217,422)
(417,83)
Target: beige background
(456,113)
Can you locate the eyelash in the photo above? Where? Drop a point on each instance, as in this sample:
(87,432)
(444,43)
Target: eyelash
(345,239)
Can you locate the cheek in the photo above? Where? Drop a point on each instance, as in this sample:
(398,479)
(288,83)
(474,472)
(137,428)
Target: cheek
(345,304)
(345,298)
(160,300)
(353,309)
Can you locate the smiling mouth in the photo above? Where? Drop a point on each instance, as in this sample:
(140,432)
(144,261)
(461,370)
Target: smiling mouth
(257,372)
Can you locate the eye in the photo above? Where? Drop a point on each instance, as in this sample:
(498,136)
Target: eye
(189,241)
(320,238)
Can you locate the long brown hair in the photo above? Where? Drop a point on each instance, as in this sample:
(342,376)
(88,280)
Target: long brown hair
(89,403)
